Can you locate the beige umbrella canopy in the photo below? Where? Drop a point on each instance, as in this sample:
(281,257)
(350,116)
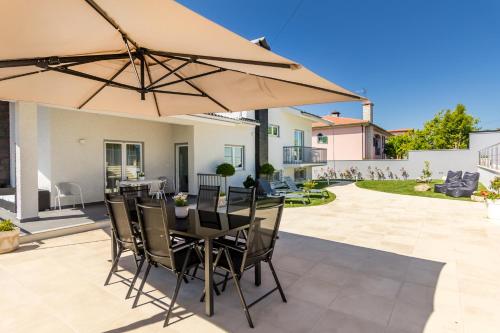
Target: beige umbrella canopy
(151,57)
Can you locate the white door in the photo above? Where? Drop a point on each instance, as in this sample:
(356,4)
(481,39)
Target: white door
(122,160)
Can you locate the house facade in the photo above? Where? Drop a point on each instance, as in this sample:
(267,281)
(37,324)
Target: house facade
(49,145)
(350,138)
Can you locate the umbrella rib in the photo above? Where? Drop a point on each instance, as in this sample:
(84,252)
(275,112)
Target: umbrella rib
(189,83)
(154,94)
(21,75)
(91,77)
(286,81)
(240,61)
(115,25)
(189,78)
(103,86)
(151,85)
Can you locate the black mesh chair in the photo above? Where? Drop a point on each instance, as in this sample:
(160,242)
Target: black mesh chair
(159,248)
(131,193)
(261,239)
(240,201)
(208,198)
(126,236)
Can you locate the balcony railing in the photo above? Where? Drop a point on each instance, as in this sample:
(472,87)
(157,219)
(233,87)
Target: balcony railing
(303,155)
(489,157)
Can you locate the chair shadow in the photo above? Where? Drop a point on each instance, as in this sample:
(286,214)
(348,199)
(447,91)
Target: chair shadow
(380,265)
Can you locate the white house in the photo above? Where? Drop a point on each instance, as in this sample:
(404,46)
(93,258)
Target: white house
(96,150)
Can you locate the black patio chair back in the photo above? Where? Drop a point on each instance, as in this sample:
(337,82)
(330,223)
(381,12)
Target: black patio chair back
(240,200)
(263,231)
(130,193)
(208,198)
(121,222)
(153,222)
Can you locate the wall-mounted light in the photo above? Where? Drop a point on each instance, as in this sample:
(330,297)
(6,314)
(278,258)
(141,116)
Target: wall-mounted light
(82,141)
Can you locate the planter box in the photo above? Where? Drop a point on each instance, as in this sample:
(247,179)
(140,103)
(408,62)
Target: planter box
(493,209)
(477,198)
(9,240)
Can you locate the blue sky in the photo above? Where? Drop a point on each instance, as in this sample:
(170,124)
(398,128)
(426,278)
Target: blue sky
(413,57)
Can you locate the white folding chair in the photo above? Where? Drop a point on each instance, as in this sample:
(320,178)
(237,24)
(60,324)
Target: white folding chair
(68,190)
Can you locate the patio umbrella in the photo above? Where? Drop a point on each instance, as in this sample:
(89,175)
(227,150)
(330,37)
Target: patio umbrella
(150,58)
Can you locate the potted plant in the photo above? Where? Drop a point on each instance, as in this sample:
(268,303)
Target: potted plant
(493,199)
(222,199)
(249,182)
(225,170)
(181,205)
(141,176)
(9,236)
(267,170)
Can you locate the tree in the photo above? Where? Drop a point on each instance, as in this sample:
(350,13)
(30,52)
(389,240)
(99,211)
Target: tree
(225,170)
(446,130)
(267,169)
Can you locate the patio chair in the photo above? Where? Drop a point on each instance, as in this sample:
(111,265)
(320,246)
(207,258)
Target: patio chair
(208,198)
(159,249)
(130,193)
(68,190)
(126,236)
(264,190)
(452,178)
(156,189)
(240,201)
(259,247)
(466,187)
(292,186)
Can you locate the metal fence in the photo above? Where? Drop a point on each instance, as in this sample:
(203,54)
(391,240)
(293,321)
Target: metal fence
(303,155)
(489,157)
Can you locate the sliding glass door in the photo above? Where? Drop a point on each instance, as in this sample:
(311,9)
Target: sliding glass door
(122,160)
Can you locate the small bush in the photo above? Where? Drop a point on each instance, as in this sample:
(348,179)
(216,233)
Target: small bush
(7,225)
(225,170)
(249,182)
(267,169)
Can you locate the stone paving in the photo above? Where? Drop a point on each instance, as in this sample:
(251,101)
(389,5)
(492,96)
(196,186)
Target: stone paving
(367,262)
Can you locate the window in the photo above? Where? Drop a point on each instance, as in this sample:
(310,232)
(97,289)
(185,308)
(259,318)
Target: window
(298,138)
(273,130)
(235,155)
(277,175)
(322,138)
(300,174)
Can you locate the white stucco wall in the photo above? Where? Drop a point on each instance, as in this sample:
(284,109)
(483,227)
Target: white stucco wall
(440,160)
(60,131)
(209,142)
(288,120)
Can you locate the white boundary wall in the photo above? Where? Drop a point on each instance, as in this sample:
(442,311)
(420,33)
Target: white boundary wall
(440,160)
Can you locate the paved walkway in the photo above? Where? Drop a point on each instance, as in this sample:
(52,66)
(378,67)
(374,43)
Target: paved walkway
(367,262)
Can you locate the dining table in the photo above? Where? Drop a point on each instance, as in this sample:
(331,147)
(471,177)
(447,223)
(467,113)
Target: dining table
(208,226)
(139,182)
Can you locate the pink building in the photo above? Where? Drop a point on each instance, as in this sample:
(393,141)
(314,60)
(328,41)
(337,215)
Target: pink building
(350,138)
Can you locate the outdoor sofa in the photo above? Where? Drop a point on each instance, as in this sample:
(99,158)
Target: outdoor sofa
(467,186)
(453,178)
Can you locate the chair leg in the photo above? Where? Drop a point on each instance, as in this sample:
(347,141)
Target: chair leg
(81,199)
(180,276)
(277,281)
(113,266)
(225,282)
(195,270)
(136,275)
(139,291)
(238,288)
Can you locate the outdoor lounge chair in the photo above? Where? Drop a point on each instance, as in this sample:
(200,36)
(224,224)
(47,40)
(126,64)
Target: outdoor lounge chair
(68,190)
(160,250)
(262,235)
(292,186)
(126,236)
(453,178)
(466,187)
(264,189)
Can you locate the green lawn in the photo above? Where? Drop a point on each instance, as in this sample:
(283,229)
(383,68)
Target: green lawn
(315,199)
(405,187)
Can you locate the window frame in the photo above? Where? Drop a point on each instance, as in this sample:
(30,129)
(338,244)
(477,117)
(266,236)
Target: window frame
(320,137)
(271,128)
(233,160)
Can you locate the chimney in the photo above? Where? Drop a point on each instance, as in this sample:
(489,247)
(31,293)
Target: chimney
(368,111)
(335,113)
